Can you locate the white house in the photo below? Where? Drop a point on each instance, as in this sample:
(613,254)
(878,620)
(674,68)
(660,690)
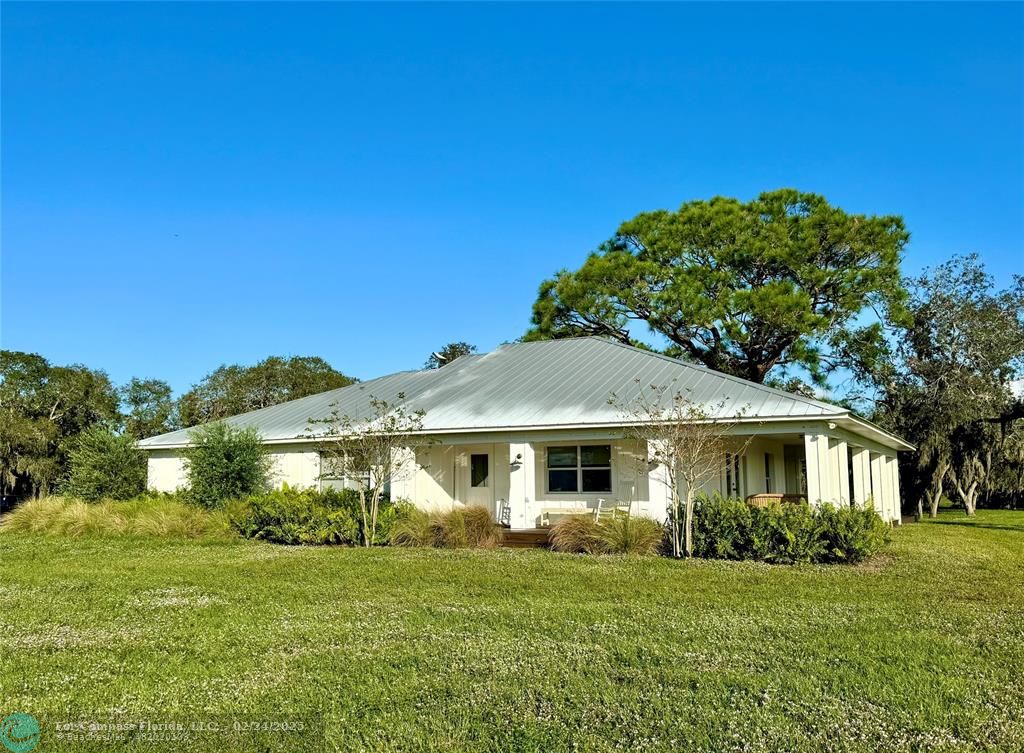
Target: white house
(528,431)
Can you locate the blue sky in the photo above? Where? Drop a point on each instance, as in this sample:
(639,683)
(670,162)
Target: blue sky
(190,185)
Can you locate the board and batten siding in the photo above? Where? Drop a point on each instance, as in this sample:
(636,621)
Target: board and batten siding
(297,465)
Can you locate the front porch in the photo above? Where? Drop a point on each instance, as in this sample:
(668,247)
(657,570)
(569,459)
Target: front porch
(529,483)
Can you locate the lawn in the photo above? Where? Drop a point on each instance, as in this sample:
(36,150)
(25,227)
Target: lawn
(921,649)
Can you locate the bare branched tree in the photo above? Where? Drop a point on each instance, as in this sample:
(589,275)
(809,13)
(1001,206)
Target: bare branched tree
(369,453)
(690,440)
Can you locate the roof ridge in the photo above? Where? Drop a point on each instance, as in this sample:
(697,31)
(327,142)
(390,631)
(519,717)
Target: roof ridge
(706,370)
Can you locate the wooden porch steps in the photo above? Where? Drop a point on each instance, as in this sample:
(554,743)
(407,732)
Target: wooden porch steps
(525,539)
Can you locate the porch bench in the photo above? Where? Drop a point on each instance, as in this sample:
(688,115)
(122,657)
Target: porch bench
(604,507)
(766,500)
(547,512)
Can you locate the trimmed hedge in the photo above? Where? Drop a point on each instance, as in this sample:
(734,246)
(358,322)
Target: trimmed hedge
(729,528)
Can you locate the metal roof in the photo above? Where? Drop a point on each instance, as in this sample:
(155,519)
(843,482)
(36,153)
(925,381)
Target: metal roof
(532,385)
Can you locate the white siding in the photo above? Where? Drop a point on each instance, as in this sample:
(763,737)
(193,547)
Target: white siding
(166,471)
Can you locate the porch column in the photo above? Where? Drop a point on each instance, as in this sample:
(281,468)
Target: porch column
(861,475)
(893,483)
(521,473)
(842,468)
(816,458)
(878,485)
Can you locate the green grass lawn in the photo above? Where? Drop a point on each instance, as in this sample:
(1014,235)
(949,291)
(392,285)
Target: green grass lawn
(921,649)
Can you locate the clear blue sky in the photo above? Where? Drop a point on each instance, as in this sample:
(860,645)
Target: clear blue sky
(190,185)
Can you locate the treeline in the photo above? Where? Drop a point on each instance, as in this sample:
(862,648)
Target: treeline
(48,413)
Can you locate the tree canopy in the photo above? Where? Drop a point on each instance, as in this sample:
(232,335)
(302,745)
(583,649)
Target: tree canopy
(743,288)
(149,408)
(234,389)
(448,353)
(946,387)
(42,409)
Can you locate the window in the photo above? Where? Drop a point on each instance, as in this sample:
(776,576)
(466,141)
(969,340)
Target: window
(478,469)
(732,475)
(333,475)
(580,468)
(769,461)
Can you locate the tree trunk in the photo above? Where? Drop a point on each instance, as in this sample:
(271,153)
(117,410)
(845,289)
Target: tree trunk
(971,501)
(689,520)
(366,517)
(676,529)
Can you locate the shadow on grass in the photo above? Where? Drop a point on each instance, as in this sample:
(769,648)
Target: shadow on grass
(976,524)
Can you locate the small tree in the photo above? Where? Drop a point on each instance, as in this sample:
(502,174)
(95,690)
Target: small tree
(690,440)
(369,453)
(225,463)
(105,464)
(449,353)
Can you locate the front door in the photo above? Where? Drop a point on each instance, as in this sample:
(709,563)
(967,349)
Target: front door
(478,476)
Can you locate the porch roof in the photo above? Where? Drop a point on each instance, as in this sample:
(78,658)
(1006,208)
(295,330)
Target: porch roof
(549,384)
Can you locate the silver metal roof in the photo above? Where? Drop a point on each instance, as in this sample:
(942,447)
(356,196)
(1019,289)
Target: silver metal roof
(533,385)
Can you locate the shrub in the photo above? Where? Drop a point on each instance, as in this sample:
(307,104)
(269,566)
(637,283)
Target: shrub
(852,534)
(63,516)
(722,528)
(105,464)
(576,534)
(461,527)
(788,533)
(294,516)
(785,533)
(411,526)
(225,463)
(630,534)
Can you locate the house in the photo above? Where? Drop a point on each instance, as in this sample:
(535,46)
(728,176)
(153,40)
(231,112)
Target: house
(528,431)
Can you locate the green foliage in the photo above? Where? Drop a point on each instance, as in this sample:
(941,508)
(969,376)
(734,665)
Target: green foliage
(225,463)
(149,406)
(722,528)
(43,408)
(105,464)
(370,451)
(293,516)
(235,389)
(144,516)
(618,534)
(786,533)
(852,534)
(459,528)
(449,353)
(739,287)
(964,341)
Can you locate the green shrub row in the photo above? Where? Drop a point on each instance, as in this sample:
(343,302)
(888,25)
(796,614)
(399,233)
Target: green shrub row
(306,516)
(461,527)
(621,534)
(785,533)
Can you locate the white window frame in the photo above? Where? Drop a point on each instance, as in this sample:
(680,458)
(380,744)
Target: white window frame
(346,480)
(580,468)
